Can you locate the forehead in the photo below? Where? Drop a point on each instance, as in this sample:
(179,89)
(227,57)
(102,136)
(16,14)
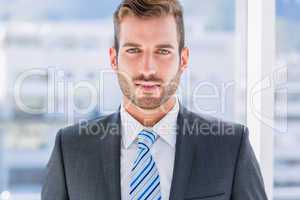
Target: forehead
(148,31)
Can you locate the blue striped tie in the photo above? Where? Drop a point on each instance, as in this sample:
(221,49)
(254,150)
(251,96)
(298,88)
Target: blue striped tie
(145,180)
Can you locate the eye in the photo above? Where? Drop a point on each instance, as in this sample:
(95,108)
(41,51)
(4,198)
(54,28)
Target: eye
(133,50)
(163,51)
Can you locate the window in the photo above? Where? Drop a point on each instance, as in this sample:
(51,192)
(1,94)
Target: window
(287,138)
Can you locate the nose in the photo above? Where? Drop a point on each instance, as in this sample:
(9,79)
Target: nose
(148,66)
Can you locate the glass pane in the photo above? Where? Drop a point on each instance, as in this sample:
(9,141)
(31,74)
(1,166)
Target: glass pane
(287,138)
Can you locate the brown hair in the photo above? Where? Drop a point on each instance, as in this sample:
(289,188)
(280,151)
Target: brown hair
(149,9)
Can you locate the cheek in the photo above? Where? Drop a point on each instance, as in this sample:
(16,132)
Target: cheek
(128,63)
(124,72)
(168,67)
(172,60)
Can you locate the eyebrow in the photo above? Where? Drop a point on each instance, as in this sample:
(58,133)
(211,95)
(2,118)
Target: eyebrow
(132,44)
(166,46)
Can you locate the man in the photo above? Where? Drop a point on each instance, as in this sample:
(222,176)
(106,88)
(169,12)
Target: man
(152,147)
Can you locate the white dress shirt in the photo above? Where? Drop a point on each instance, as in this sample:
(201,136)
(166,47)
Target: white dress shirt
(162,151)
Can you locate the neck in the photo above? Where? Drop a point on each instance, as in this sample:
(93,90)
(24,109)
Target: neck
(149,118)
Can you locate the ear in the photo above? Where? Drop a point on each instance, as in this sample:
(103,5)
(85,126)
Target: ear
(113,58)
(184,61)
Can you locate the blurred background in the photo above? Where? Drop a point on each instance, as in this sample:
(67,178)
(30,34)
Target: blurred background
(51,50)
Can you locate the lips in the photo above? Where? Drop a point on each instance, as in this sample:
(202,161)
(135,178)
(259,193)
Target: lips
(148,86)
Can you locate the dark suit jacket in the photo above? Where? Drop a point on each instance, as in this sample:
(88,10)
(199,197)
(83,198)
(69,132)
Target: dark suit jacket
(213,161)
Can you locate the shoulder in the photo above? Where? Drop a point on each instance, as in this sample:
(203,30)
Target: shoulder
(88,129)
(218,138)
(214,129)
(211,125)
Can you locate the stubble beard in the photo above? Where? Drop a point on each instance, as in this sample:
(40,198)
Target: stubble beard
(148,101)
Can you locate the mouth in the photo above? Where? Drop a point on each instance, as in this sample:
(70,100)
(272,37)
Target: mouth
(148,86)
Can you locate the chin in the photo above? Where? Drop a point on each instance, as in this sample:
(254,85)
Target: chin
(148,102)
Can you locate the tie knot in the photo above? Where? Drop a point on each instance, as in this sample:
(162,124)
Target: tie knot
(146,138)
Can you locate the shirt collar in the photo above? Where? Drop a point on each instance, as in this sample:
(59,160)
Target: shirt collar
(165,128)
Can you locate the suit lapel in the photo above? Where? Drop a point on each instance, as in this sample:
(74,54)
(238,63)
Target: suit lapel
(111,147)
(183,157)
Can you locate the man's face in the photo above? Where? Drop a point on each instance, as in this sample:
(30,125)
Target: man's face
(148,64)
